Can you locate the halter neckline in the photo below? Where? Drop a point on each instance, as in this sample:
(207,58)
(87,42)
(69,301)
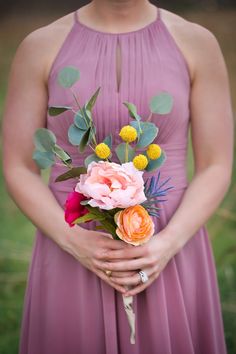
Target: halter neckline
(151,24)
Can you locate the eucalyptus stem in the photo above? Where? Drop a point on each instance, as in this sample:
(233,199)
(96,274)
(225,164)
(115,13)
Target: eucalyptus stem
(126,152)
(149,117)
(77,102)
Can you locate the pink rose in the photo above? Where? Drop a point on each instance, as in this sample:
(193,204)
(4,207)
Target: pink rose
(110,185)
(73,208)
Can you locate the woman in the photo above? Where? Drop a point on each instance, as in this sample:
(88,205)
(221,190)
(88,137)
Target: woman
(73,304)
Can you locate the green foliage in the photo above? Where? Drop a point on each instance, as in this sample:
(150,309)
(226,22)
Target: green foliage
(56,110)
(44,139)
(92,100)
(62,154)
(121,152)
(75,135)
(44,159)
(91,158)
(132,110)
(72,173)
(148,133)
(108,141)
(162,103)
(80,121)
(68,76)
(154,164)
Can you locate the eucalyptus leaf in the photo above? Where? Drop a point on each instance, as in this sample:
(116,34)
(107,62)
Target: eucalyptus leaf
(154,164)
(108,141)
(92,132)
(80,121)
(84,140)
(75,135)
(62,154)
(162,103)
(43,159)
(44,139)
(149,133)
(137,126)
(72,173)
(132,110)
(91,158)
(91,102)
(121,151)
(56,110)
(68,76)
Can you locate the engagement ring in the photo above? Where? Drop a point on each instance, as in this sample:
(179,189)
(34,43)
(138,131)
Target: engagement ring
(143,276)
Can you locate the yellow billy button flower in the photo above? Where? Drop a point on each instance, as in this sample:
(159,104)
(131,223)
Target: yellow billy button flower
(102,150)
(154,151)
(140,162)
(128,133)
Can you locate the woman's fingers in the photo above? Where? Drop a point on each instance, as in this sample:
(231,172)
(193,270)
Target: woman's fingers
(142,286)
(123,274)
(133,279)
(127,253)
(125,265)
(104,277)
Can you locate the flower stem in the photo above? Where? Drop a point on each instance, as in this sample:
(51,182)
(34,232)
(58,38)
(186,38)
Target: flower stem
(126,152)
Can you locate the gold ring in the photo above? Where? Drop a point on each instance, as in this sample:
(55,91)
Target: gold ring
(108,272)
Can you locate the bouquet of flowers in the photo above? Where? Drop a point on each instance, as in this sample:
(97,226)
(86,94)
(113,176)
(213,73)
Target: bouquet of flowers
(110,193)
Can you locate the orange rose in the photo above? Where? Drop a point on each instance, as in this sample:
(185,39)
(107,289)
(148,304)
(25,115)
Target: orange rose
(135,226)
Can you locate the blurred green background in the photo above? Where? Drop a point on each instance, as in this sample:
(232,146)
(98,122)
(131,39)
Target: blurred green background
(17,233)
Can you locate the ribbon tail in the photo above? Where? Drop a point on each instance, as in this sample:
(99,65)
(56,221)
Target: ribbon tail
(128,302)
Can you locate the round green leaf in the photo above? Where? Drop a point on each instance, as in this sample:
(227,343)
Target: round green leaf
(154,164)
(80,121)
(68,76)
(162,103)
(90,159)
(43,159)
(120,152)
(108,141)
(149,133)
(44,139)
(75,135)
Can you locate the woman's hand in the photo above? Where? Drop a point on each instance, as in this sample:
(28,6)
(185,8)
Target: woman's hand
(151,257)
(89,247)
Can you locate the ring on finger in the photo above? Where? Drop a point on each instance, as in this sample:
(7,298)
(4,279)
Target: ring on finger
(143,276)
(108,272)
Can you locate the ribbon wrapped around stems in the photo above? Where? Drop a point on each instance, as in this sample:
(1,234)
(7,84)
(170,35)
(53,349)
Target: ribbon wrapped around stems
(128,304)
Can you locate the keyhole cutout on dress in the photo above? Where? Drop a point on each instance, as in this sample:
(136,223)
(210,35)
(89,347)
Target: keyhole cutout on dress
(118,65)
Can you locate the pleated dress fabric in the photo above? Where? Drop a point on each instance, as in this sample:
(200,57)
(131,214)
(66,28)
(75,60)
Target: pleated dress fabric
(67,308)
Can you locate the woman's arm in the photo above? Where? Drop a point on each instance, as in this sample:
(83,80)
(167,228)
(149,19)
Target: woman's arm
(25,111)
(212,138)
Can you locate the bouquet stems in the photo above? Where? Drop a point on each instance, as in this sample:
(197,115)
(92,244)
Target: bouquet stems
(128,304)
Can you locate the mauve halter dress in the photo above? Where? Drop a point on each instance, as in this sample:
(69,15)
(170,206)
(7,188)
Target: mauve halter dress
(67,308)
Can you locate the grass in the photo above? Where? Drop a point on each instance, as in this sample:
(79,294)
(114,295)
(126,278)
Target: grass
(17,232)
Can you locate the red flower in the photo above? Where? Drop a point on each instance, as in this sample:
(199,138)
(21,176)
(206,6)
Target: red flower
(73,208)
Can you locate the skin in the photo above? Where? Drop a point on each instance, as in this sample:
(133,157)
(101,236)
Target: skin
(212,139)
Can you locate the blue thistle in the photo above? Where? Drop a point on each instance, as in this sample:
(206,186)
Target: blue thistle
(154,191)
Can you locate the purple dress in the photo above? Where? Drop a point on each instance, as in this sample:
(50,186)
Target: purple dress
(68,309)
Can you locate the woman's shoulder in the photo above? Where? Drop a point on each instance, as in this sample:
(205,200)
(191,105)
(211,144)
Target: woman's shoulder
(41,45)
(197,43)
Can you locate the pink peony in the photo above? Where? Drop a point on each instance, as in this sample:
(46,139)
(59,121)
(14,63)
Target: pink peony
(110,185)
(73,208)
